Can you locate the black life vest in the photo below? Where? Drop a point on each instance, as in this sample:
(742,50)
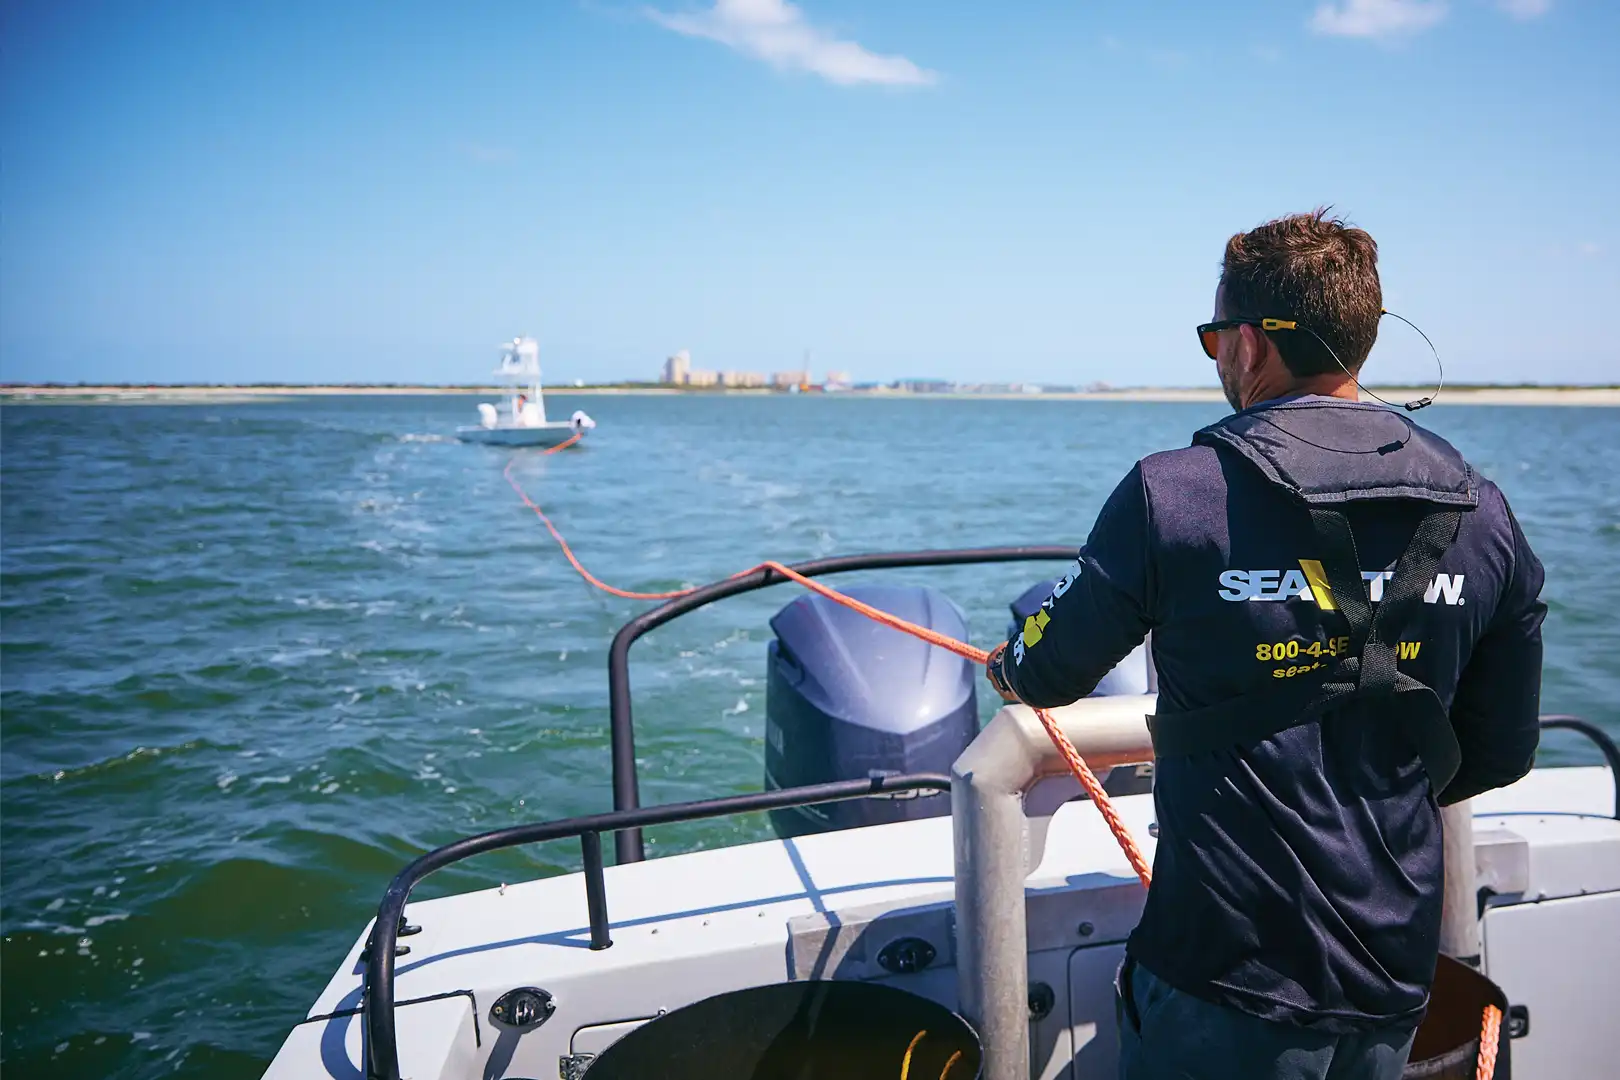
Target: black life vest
(1329,458)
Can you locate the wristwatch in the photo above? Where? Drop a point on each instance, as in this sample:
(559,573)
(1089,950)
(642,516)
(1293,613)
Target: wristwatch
(993,672)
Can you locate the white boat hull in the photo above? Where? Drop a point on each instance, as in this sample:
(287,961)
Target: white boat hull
(543,435)
(824,906)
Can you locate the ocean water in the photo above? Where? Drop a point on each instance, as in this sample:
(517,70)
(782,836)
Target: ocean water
(254,657)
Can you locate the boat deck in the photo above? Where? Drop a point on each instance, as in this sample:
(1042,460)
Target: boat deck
(688,926)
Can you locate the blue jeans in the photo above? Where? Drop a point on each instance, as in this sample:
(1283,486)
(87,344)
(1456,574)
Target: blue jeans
(1165,1034)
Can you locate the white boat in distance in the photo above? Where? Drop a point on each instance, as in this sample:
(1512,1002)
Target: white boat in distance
(523,421)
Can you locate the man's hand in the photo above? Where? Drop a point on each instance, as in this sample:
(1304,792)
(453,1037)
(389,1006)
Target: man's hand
(992,672)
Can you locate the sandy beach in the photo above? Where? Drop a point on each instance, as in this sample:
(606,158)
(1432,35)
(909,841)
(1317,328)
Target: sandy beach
(176,395)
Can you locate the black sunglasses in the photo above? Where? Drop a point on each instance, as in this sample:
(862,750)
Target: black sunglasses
(1208,333)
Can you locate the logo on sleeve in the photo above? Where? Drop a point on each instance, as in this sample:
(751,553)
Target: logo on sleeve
(1310,582)
(1035,625)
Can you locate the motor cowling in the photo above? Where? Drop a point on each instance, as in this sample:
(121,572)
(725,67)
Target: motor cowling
(848,698)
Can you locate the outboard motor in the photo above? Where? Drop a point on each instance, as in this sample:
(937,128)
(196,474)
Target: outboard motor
(848,698)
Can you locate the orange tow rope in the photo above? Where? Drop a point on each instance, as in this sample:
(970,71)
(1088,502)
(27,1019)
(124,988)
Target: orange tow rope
(1077,765)
(1490,1034)
(1490,1029)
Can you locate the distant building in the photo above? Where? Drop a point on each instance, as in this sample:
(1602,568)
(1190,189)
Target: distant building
(742,379)
(838,379)
(784,379)
(923,386)
(700,377)
(678,368)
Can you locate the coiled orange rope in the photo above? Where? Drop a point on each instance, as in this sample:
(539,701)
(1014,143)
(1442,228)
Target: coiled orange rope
(1490,1030)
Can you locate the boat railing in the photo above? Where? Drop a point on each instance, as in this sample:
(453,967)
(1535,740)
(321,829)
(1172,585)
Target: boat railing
(381,1041)
(627,843)
(1113,731)
(1595,735)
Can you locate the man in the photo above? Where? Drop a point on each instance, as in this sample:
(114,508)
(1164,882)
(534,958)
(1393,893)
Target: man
(1347,632)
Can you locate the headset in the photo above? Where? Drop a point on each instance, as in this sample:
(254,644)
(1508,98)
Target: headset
(1410,406)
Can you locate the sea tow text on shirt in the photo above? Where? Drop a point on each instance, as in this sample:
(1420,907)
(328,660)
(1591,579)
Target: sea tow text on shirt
(1309,582)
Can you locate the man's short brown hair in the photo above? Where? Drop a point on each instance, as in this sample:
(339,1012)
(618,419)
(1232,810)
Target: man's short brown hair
(1315,270)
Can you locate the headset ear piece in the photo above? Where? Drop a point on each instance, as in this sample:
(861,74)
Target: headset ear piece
(1440,368)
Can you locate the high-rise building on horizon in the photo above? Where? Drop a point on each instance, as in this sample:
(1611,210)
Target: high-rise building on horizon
(678,368)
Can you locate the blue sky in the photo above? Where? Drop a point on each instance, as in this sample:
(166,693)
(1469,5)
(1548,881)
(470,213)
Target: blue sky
(309,191)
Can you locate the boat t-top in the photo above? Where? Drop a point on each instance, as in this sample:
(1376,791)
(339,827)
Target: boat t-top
(522,422)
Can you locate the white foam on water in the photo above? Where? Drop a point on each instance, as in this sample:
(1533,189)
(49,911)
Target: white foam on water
(294,656)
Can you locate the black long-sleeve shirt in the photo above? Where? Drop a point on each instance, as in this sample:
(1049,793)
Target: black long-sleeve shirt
(1297,879)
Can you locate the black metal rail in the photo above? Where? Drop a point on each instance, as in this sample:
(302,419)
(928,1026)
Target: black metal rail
(381,1041)
(1599,738)
(627,844)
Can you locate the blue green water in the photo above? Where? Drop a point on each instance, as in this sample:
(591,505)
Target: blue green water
(257,656)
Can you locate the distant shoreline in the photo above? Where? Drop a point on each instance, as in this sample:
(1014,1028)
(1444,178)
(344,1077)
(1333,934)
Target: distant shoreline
(171,395)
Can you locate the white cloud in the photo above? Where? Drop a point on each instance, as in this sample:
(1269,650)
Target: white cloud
(1380,18)
(1590,248)
(1525,9)
(777,32)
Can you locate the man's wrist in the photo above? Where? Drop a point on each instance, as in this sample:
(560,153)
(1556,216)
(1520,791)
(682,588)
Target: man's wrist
(997,675)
